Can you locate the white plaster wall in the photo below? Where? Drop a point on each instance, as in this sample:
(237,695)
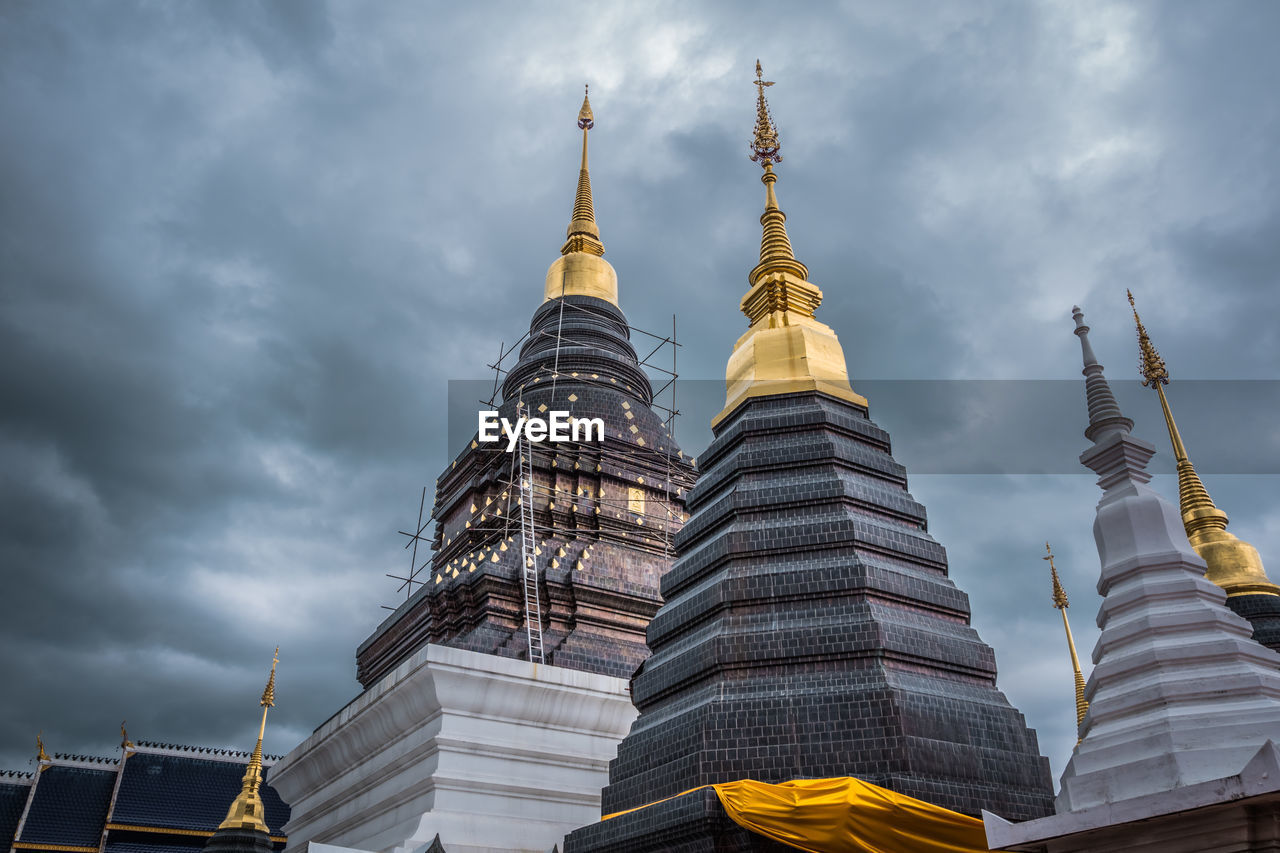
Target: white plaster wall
(493,754)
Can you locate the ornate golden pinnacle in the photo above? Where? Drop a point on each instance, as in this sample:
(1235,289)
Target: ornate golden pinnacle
(1059,594)
(586,120)
(764,145)
(41,755)
(269,692)
(1151,364)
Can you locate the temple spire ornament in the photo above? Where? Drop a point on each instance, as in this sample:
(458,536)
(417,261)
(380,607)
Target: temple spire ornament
(247,810)
(785,349)
(581,270)
(1060,602)
(1233,564)
(583,235)
(776,254)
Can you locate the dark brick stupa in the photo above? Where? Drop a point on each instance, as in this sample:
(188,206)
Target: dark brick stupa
(809,626)
(604,512)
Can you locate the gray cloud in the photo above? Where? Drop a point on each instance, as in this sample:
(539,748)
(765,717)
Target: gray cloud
(244,247)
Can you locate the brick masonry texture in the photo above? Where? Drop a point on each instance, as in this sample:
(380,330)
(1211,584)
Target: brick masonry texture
(605,513)
(1263,612)
(810,630)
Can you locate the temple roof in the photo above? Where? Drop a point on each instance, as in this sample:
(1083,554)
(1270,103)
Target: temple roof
(188,793)
(69,806)
(13,799)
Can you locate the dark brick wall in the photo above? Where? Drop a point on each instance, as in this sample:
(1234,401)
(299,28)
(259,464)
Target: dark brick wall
(810,630)
(601,558)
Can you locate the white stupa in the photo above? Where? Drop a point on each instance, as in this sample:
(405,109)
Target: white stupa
(1177,750)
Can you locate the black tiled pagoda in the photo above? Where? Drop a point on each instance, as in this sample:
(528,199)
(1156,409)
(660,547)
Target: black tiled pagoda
(809,626)
(604,511)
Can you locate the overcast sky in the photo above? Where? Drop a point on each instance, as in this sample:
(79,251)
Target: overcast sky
(244,247)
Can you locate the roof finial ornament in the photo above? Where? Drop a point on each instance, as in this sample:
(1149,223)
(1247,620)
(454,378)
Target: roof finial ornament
(41,755)
(1233,564)
(583,235)
(125,743)
(764,145)
(1060,602)
(247,810)
(776,254)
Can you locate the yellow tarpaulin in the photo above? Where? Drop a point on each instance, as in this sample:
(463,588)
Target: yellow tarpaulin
(846,814)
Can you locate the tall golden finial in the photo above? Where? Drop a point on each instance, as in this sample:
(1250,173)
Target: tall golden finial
(1060,602)
(247,810)
(583,235)
(41,755)
(776,254)
(125,743)
(785,349)
(581,269)
(1233,564)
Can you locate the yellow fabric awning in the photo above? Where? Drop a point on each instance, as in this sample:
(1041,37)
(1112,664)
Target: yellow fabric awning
(845,814)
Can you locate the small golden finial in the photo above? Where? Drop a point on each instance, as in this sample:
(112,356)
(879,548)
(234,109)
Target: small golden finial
(586,120)
(1231,563)
(41,755)
(1151,365)
(1060,602)
(125,743)
(583,235)
(247,810)
(1059,594)
(764,144)
(269,692)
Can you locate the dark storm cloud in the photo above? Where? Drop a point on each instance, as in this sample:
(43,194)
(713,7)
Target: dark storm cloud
(244,247)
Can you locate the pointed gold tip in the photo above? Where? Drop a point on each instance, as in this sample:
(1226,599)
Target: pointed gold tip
(41,755)
(765,146)
(586,120)
(1060,602)
(1151,365)
(1059,594)
(269,692)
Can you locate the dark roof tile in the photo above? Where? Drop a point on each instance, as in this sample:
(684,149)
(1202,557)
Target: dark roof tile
(13,798)
(186,792)
(69,806)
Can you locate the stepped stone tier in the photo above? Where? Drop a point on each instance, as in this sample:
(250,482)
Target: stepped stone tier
(1178,745)
(809,628)
(604,512)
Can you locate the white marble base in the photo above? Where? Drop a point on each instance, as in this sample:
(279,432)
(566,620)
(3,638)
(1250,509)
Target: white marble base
(492,754)
(1237,813)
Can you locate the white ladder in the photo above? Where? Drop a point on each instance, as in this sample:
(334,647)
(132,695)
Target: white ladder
(529,565)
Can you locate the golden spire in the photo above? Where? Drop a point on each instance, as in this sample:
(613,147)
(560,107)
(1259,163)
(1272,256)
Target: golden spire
(125,743)
(247,810)
(1233,564)
(785,349)
(776,254)
(1060,602)
(583,234)
(581,270)
(41,755)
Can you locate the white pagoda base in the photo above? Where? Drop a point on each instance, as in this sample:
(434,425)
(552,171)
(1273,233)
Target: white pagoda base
(489,753)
